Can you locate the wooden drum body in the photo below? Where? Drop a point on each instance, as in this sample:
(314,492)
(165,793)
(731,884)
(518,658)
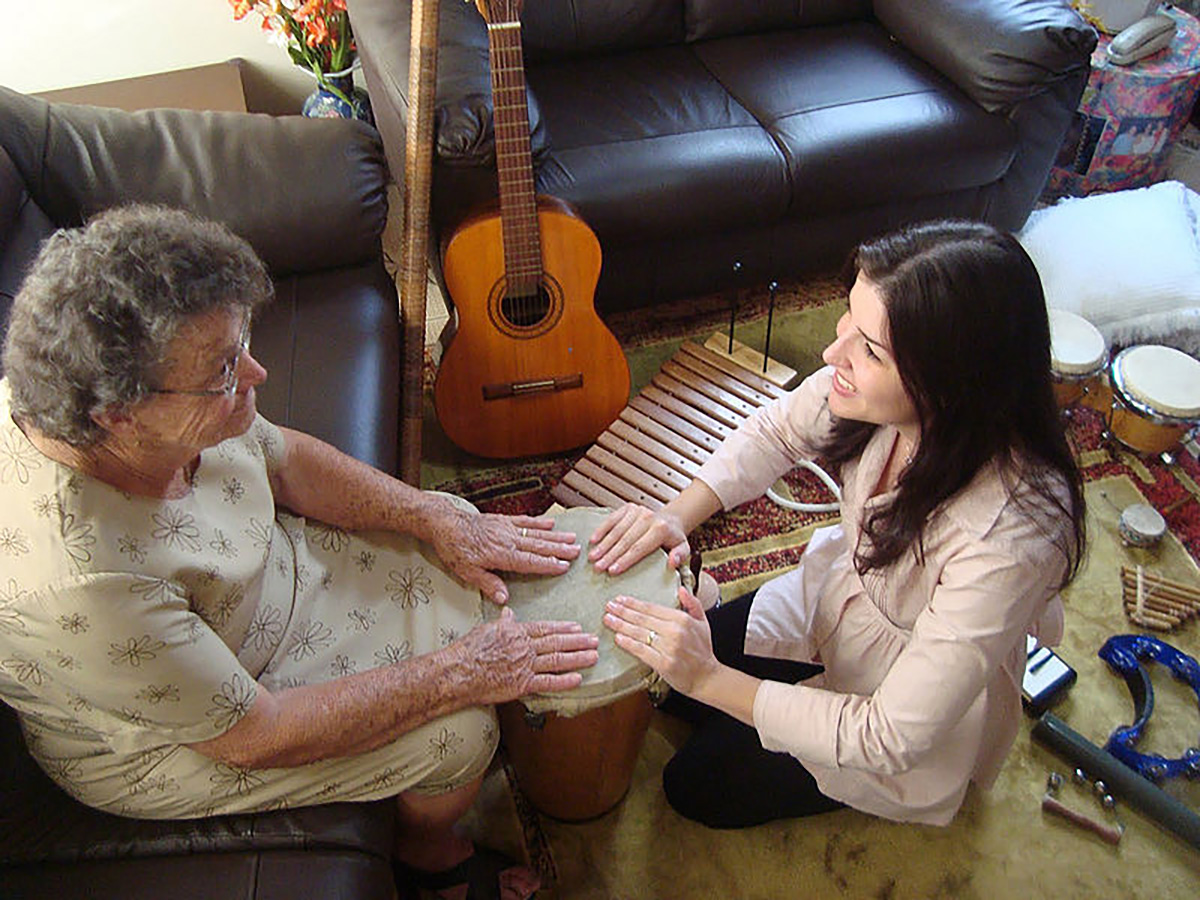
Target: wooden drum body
(578,767)
(574,752)
(1078,355)
(1155,397)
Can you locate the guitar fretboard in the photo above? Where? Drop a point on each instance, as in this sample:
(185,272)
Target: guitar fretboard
(514,160)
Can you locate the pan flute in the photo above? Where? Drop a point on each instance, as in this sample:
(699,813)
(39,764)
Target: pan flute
(658,442)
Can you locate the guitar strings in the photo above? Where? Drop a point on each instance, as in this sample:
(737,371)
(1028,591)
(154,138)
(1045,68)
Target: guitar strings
(519,221)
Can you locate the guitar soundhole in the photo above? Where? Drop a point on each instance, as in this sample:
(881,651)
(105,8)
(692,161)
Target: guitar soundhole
(528,313)
(526,310)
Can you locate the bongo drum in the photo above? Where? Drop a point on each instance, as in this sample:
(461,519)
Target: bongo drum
(574,752)
(1156,397)
(1078,355)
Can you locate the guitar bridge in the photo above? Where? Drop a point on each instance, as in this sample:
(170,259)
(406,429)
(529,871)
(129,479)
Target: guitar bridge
(539,386)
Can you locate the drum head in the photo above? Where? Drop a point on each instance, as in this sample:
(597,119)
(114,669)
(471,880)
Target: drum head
(579,595)
(1164,379)
(1142,524)
(1076,346)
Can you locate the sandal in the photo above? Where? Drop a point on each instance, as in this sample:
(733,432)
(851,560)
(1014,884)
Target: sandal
(480,872)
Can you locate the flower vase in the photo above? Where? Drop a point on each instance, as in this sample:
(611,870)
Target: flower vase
(336,97)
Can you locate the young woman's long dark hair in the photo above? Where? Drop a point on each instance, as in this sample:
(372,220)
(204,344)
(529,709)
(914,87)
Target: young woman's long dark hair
(971,340)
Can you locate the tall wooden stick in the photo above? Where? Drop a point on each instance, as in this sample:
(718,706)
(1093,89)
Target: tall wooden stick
(414,260)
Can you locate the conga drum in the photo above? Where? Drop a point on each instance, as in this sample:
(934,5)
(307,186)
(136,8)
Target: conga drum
(574,752)
(1078,355)
(1156,397)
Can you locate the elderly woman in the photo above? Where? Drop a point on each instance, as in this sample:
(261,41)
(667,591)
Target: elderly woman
(204,613)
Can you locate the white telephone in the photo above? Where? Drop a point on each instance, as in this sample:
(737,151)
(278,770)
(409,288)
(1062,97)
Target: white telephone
(1142,38)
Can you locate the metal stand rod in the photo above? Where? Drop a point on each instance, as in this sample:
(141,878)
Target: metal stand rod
(772,287)
(733,302)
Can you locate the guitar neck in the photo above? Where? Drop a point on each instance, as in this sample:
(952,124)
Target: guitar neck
(514,160)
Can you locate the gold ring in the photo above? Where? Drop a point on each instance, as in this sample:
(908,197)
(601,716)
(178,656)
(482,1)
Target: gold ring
(524,532)
(651,637)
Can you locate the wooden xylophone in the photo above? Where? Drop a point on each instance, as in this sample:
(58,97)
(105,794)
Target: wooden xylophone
(658,442)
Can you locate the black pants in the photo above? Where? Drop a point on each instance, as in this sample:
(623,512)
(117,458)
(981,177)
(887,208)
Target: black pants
(722,777)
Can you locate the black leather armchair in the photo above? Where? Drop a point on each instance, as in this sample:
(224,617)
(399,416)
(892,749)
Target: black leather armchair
(691,134)
(310,196)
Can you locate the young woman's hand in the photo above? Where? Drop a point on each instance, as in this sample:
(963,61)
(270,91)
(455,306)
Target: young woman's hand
(631,533)
(676,643)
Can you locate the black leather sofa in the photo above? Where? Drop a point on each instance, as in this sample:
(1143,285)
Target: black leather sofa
(693,134)
(310,196)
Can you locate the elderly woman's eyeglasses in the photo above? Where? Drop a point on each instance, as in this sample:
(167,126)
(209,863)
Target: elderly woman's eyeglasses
(229,372)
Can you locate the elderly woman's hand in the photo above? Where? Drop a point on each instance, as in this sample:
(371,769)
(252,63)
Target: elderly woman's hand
(510,659)
(473,544)
(632,532)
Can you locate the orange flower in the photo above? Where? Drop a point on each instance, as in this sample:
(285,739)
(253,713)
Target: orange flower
(317,32)
(241,8)
(307,10)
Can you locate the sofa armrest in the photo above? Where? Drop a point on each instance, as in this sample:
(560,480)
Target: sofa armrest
(999,52)
(463,127)
(307,193)
(12,196)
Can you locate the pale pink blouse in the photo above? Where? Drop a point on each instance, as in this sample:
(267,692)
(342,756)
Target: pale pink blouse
(923,663)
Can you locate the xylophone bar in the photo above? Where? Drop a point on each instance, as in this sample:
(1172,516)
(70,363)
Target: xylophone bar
(657,444)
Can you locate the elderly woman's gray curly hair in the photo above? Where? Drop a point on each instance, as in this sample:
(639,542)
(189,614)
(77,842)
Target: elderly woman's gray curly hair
(92,322)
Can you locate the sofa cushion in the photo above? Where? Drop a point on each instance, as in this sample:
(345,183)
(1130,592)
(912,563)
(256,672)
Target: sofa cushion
(329,342)
(463,125)
(269,875)
(23,227)
(704,19)
(686,156)
(859,120)
(78,160)
(1000,52)
(41,823)
(556,29)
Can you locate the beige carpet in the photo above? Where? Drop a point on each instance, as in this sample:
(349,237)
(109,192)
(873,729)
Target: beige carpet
(1000,845)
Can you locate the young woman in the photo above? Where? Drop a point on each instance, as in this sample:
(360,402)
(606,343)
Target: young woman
(884,672)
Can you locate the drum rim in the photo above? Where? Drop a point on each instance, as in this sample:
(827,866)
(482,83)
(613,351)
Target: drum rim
(582,703)
(1116,381)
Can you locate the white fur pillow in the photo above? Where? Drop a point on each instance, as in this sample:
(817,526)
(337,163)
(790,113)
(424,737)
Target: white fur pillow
(1128,262)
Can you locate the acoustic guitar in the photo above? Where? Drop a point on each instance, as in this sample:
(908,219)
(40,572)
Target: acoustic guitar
(531,369)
